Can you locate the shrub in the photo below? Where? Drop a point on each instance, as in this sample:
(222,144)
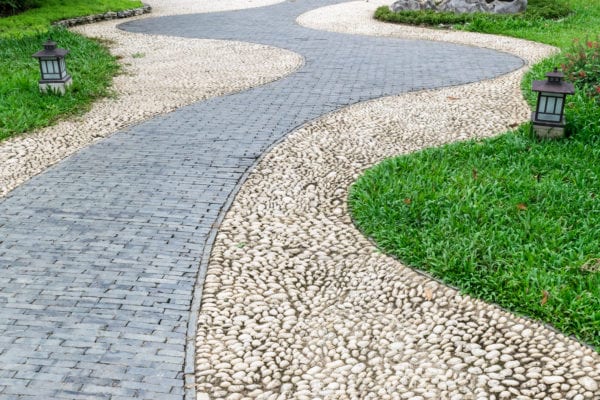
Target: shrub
(536,10)
(11,7)
(582,66)
(424,17)
(547,9)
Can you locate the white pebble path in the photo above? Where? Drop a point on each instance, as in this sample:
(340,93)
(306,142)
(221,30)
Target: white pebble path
(297,304)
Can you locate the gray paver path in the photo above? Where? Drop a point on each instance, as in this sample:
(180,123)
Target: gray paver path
(99,255)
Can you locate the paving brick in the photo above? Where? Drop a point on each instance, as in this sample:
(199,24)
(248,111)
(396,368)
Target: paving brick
(79,395)
(99,254)
(39,376)
(155,387)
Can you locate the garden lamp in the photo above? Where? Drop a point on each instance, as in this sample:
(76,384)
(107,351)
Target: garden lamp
(53,68)
(548,118)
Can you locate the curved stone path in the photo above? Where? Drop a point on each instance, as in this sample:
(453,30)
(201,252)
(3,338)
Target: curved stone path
(100,253)
(159,75)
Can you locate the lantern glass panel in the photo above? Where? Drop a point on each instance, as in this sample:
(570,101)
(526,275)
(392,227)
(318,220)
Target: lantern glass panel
(550,103)
(550,107)
(50,69)
(542,103)
(63,68)
(559,105)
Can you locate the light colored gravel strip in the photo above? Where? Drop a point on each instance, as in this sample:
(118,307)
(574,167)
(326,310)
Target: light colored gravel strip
(298,304)
(357,18)
(160,75)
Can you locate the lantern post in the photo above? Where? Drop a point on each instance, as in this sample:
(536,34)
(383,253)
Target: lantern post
(548,118)
(53,68)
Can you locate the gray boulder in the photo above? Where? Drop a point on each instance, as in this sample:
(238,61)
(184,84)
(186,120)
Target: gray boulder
(463,6)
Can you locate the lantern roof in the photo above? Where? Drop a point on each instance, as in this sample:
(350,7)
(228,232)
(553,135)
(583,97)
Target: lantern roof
(554,84)
(50,50)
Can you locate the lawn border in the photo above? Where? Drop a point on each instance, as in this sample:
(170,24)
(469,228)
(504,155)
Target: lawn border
(107,16)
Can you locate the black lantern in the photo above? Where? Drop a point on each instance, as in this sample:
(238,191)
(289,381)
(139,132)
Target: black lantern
(548,118)
(53,68)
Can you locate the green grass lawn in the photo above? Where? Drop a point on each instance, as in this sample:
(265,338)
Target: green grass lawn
(22,107)
(512,220)
(38,19)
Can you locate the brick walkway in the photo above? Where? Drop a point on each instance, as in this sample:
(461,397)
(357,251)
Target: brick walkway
(100,254)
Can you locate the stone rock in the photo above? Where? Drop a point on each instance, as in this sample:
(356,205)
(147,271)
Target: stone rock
(463,6)
(358,368)
(588,383)
(550,380)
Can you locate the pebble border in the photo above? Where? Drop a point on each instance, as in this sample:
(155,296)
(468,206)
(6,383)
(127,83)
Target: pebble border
(107,16)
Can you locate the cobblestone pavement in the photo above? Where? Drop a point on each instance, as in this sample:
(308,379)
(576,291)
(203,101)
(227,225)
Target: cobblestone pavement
(100,254)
